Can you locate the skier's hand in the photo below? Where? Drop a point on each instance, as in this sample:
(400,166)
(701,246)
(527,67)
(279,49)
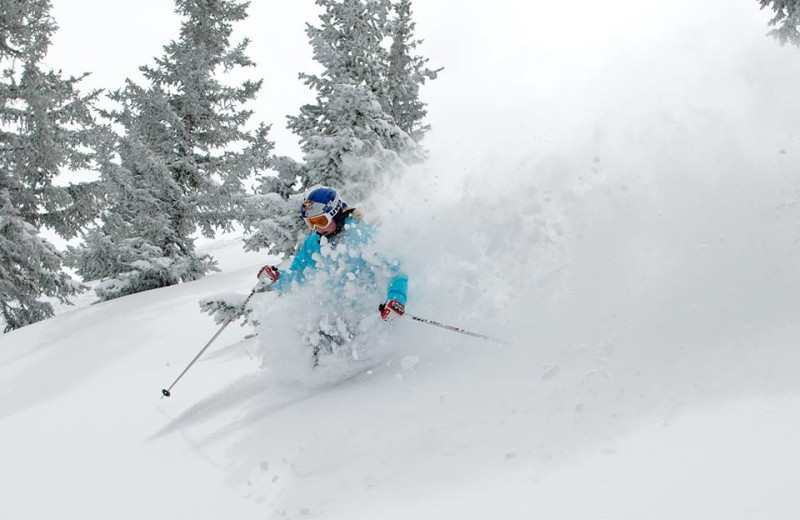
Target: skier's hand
(391,310)
(269,274)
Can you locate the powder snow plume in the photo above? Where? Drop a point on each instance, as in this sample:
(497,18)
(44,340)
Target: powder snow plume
(663,225)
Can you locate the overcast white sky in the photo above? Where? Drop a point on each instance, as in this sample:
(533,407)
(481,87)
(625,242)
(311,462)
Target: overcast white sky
(511,67)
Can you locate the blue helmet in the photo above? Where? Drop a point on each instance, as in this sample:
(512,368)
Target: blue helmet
(320,206)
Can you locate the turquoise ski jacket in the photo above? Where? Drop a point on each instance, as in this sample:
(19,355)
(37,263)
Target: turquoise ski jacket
(348,257)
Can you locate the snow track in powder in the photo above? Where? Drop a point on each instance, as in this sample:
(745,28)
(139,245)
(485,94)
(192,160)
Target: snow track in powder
(274,396)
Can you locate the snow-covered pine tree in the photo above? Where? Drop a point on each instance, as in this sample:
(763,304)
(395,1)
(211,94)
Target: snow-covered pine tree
(140,245)
(406,73)
(786,20)
(274,213)
(367,118)
(45,125)
(184,156)
(348,138)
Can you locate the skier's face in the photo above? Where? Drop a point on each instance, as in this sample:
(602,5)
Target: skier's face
(327,230)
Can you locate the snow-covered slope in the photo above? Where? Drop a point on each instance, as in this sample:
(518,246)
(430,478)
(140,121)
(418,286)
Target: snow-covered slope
(582,418)
(653,375)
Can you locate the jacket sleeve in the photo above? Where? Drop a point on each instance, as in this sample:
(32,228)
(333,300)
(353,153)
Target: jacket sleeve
(398,289)
(398,284)
(302,260)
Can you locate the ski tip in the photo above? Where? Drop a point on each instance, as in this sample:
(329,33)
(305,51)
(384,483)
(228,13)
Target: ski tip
(165,392)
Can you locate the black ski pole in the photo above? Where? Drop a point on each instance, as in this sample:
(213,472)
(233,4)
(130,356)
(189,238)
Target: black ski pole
(452,328)
(166,391)
(457,329)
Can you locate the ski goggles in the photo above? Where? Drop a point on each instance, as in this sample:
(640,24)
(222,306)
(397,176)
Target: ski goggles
(319,221)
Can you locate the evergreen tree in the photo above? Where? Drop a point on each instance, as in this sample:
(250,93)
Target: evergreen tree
(349,139)
(367,117)
(274,209)
(786,20)
(184,157)
(45,125)
(406,73)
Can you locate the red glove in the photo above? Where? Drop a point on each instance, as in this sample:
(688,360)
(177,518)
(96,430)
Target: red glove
(391,310)
(269,272)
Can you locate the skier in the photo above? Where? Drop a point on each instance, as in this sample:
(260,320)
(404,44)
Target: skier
(340,251)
